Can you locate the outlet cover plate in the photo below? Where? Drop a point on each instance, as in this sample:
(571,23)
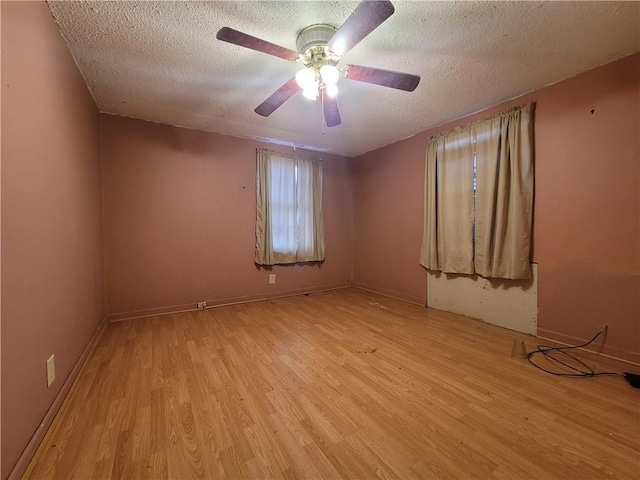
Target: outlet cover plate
(272,278)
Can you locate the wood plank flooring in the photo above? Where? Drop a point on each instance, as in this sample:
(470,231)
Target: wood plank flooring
(340,384)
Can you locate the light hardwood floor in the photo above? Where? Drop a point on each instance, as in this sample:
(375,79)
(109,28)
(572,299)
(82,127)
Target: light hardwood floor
(340,384)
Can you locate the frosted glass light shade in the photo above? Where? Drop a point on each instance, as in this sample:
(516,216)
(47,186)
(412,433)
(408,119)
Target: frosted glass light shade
(330,74)
(332,89)
(305,77)
(311,91)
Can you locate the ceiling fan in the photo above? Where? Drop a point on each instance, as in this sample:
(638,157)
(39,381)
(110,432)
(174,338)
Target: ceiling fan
(320,49)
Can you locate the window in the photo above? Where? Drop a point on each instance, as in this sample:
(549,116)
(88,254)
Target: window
(479,198)
(289,224)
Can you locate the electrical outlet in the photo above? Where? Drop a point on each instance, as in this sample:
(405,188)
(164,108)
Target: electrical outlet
(51,371)
(202,305)
(272,278)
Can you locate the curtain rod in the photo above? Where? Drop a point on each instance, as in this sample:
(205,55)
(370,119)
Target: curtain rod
(503,113)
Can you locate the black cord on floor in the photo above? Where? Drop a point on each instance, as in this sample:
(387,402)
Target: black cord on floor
(575,371)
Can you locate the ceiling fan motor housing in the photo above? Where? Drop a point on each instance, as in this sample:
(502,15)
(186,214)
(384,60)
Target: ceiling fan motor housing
(311,43)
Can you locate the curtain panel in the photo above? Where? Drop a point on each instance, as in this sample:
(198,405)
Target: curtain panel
(447,243)
(289,216)
(504,195)
(479,198)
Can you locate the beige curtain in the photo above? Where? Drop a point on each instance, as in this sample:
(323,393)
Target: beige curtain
(479,198)
(264,251)
(289,217)
(504,196)
(447,242)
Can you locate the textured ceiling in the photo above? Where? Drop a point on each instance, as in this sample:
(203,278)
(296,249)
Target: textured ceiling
(160,61)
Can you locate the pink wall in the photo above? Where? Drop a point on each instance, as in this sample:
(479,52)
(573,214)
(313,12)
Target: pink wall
(387,224)
(179,220)
(587,224)
(587,208)
(52,264)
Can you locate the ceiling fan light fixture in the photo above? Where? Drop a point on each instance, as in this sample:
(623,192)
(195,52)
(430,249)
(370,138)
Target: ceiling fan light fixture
(306,78)
(311,91)
(329,74)
(319,49)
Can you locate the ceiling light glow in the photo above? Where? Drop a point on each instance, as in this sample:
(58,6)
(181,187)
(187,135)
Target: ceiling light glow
(306,77)
(312,79)
(311,91)
(329,74)
(338,48)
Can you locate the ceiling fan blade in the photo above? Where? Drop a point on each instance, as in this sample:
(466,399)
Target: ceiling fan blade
(386,78)
(330,110)
(284,93)
(230,35)
(367,16)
